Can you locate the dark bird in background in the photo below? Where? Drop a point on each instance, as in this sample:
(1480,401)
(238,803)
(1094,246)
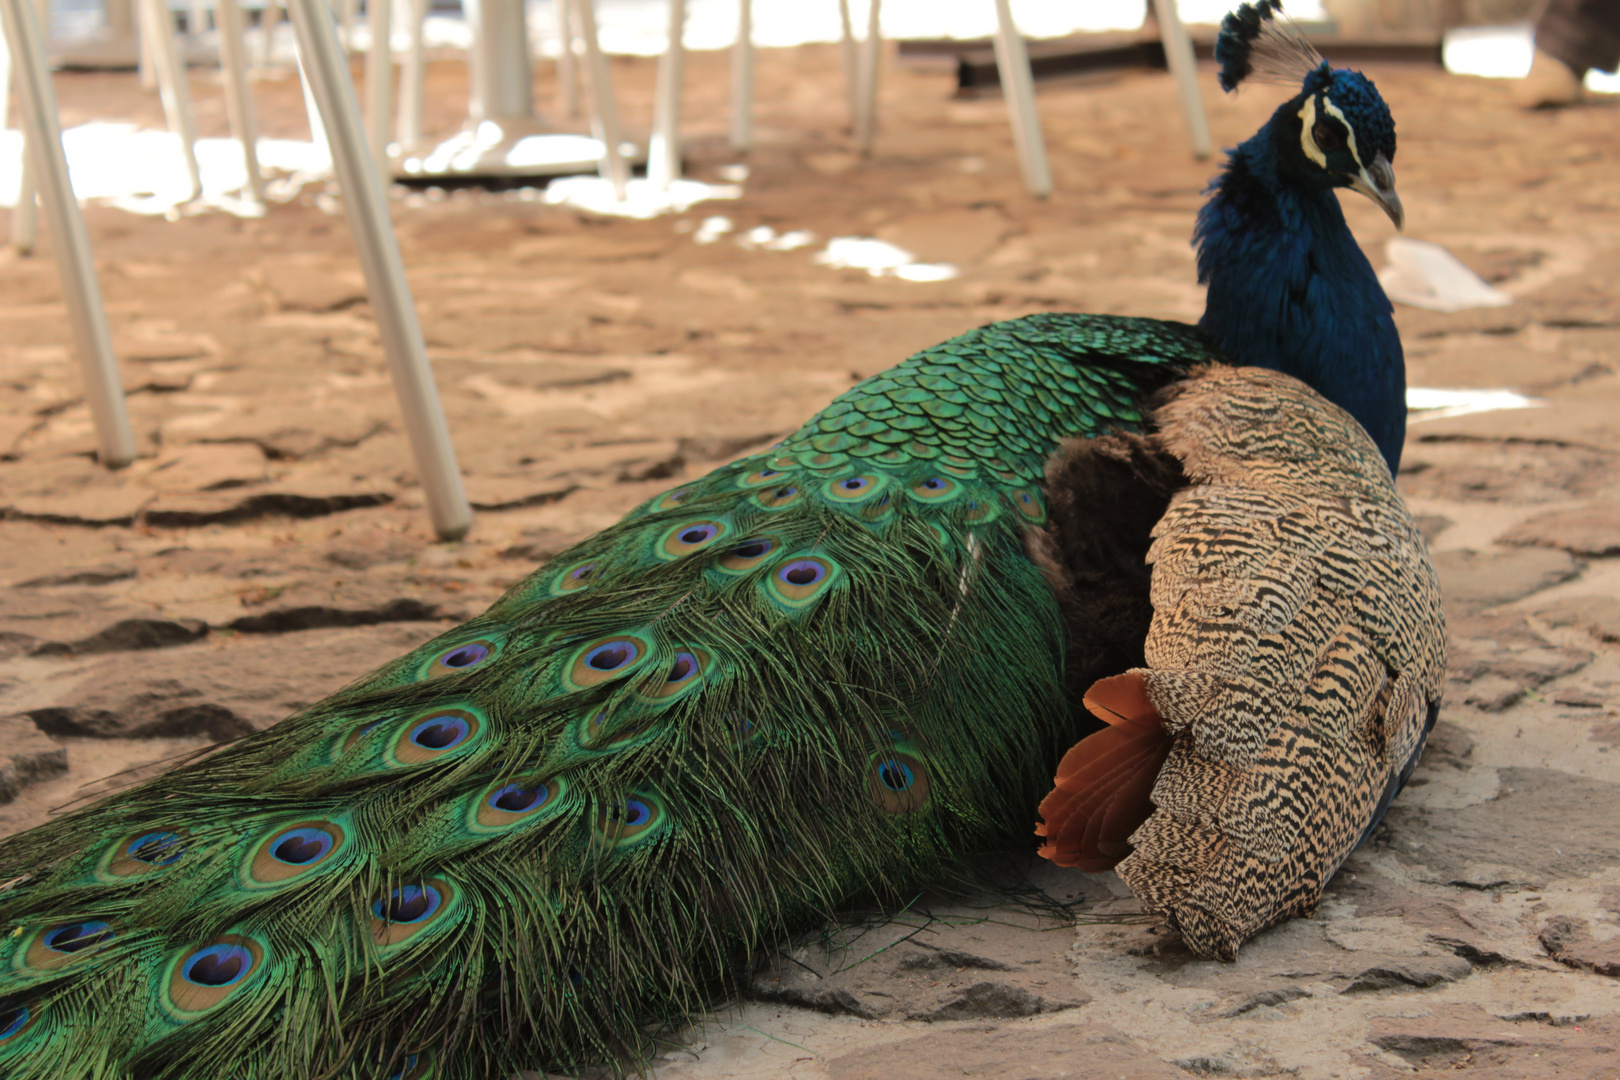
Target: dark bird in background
(827,672)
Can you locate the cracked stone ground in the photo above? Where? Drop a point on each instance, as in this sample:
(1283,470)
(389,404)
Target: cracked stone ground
(271,543)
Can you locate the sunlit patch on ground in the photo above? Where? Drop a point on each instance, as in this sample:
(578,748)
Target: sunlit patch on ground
(144,171)
(1431,403)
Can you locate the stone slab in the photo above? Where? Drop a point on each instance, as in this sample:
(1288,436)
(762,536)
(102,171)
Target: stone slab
(1063,1052)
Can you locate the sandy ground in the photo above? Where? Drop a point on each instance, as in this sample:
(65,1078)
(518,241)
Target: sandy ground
(271,542)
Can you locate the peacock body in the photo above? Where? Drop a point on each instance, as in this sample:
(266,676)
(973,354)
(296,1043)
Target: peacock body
(824,672)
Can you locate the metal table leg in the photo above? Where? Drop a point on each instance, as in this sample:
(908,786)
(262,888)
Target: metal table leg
(71,243)
(366,204)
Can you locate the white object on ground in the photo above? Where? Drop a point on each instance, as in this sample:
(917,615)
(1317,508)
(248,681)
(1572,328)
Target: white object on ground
(1426,275)
(1430,403)
(881,259)
(1494,52)
(642,198)
(1603,82)
(763,236)
(143,171)
(712,229)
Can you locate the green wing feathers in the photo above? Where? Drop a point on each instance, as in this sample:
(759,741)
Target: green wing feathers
(823,672)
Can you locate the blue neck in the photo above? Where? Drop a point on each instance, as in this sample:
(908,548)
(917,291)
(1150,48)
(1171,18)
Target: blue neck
(1290,290)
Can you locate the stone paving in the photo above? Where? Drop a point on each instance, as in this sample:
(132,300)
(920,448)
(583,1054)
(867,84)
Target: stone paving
(271,543)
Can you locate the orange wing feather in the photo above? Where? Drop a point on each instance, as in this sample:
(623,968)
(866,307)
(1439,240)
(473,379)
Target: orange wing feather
(1104,783)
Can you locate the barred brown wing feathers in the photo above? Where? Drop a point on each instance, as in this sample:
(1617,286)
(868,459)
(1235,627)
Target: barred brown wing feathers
(1296,653)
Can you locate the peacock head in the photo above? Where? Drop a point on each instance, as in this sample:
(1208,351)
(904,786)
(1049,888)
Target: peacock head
(1337,131)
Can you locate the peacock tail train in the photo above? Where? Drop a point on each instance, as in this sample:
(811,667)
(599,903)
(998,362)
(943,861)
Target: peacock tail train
(827,671)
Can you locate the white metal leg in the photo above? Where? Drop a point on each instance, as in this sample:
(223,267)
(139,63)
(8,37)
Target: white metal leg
(119,16)
(238,100)
(350,10)
(380,80)
(317,129)
(742,79)
(173,85)
(25,218)
(1018,87)
(1178,52)
(412,73)
(664,148)
(851,58)
(268,22)
(80,289)
(604,109)
(367,205)
(567,61)
(145,65)
(866,81)
(196,17)
(5,81)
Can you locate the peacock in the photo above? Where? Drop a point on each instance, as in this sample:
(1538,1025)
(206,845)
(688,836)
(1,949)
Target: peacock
(830,671)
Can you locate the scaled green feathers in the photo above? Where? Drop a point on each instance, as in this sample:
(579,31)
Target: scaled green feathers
(827,671)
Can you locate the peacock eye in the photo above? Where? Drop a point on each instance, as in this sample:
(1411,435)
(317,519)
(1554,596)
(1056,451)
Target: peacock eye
(1327,136)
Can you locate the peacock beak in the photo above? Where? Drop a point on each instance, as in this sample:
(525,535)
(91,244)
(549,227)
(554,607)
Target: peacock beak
(1377,182)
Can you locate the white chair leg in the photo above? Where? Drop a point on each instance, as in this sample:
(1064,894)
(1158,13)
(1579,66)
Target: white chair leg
(350,11)
(366,204)
(145,63)
(80,289)
(238,100)
(412,74)
(1178,52)
(268,21)
(173,86)
(742,79)
(119,16)
(1018,87)
(866,82)
(847,52)
(196,18)
(380,81)
(604,108)
(5,80)
(664,148)
(312,110)
(567,61)
(25,218)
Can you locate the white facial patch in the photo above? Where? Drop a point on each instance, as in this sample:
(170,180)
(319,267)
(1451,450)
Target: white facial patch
(1307,142)
(1307,119)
